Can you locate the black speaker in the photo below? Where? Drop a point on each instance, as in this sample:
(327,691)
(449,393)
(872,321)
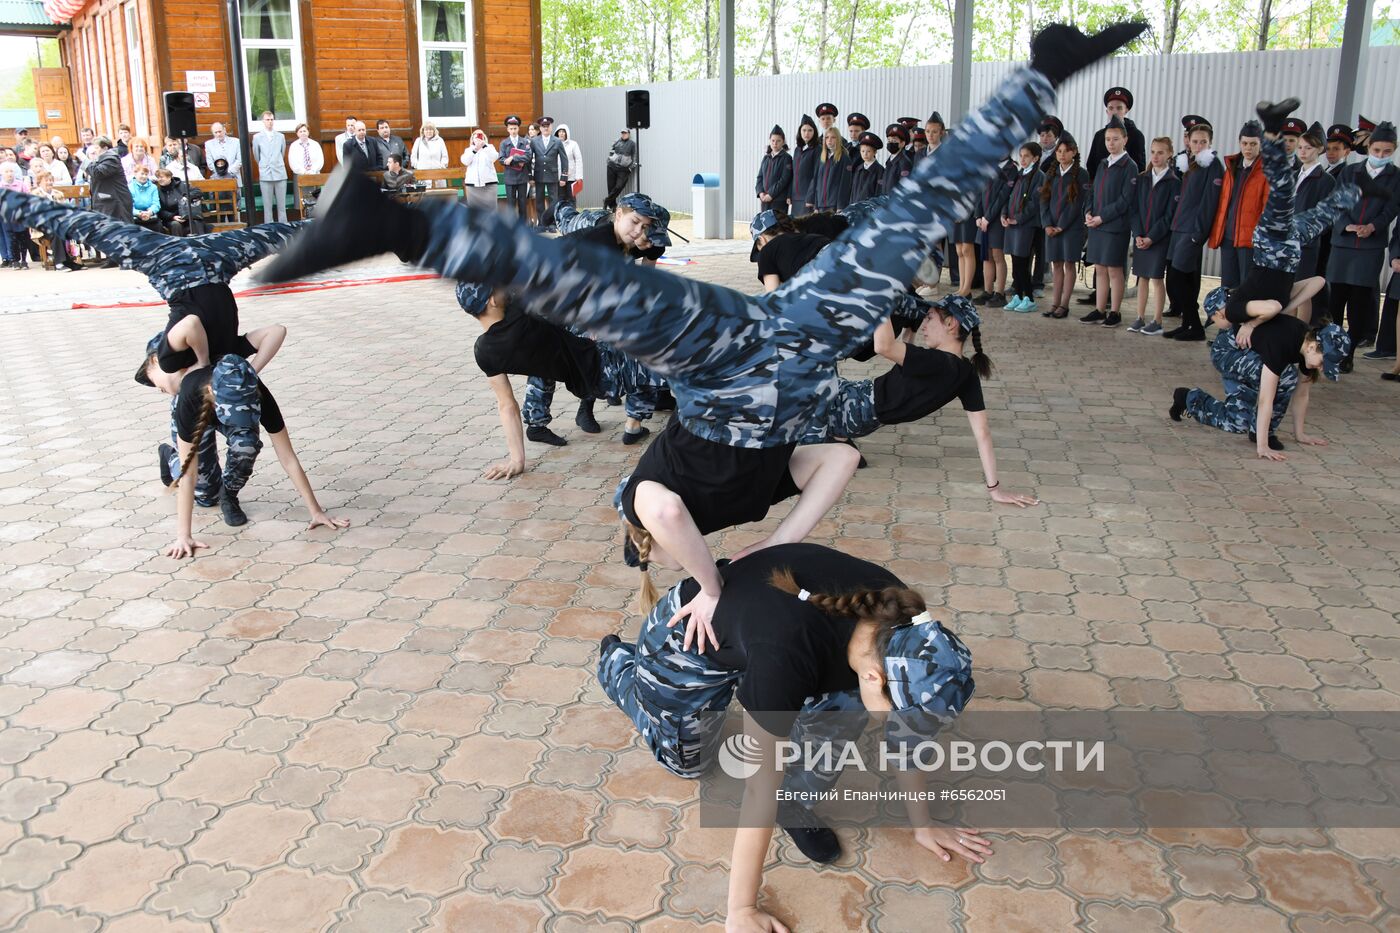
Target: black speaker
(180,118)
(639,110)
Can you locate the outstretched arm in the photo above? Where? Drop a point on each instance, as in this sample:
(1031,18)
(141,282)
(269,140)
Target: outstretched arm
(987,454)
(128,243)
(189,334)
(1299,404)
(509,409)
(1264,413)
(185,545)
(888,345)
(292,464)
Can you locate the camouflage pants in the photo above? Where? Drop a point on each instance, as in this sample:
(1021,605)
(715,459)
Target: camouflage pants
(747,370)
(1280,234)
(237,416)
(675,698)
(1240,371)
(172,264)
(852,414)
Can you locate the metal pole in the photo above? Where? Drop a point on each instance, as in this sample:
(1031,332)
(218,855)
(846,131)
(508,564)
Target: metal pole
(961,91)
(726,117)
(240,106)
(1356,41)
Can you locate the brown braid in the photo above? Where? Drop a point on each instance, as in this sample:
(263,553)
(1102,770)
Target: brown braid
(1074,177)
(887,608)
(980,361)
(201,425)
(647,597)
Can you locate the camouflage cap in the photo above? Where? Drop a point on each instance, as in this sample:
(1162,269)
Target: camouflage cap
(473,296)
(762,222)
(961,308)
(642,205)
(1215,301)
(928,668)
(1335,346)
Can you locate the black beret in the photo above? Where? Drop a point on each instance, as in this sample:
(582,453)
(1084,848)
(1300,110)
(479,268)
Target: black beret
(871,140)
(827,110)
(935,117)
(858,119)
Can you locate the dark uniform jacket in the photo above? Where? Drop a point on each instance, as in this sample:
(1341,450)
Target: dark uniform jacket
(1111,194)
(1098,150)
(775,178)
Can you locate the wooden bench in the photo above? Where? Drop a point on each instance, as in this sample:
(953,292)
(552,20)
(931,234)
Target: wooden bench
(75,196)
(306,186)
(221,204)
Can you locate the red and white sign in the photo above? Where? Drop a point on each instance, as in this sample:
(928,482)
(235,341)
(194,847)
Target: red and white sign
(199,81)
(201,100)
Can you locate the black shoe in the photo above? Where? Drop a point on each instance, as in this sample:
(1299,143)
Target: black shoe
(1379,355)
(353,221)
(543,435)
(1087,301)
(852,444)
(1191,334)
(166,452)
(665,401)
(614,401)
(997,301)
(1174,332)
(606,644)
(1365,342)
(1171,312)
(982,299)
(233,512)
(1058,51)
(1178,403)
(635,437)
(1093,317)
(1112,319)
(584,418)
(1391,377)
(818,843)
(1272,116)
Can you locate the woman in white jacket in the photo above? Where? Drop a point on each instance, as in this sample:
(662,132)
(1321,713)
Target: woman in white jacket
(479,159)
(429,151)
(569,191)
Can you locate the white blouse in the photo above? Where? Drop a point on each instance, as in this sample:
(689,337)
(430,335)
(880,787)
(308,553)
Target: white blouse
(429,153)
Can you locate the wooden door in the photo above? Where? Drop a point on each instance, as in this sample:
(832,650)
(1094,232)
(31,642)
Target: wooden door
(53,97)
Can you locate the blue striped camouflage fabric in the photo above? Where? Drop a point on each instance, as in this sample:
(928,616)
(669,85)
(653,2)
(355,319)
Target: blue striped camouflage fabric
(620,375)
(238,417)
(569,219)
(173,264)
(747,370)
(851,414)
(1280,234)
(1240,372)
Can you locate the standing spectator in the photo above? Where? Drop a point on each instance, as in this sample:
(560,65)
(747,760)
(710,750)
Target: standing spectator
(1243,192)
(551,165)
(342,138)
(831,188)
(1359,241)
(1117,101)
(1107,217)
(865,180)
(1339,143)
(123,146)
(15,238)
(86,137)
(1196,205)
(774,183)
(223,146)
(621,159)
(516,156)
(1063,198)
(429,151)
(270,153)
(479,160)
(826,117)
(934,128)
(1020,216)
(569,189)
(107,182)
(137,156)
(305,156)
(47,161)
(1314,184)
(1154,198)
(804,166)
(362,151)
(145,199)
(898,165)
(392,145)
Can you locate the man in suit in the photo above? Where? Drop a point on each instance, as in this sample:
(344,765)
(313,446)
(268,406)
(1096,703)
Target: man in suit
(551,164)
(363,151)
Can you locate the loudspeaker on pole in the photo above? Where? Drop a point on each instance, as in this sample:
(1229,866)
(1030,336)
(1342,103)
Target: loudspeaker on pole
(181,121)
(639,110)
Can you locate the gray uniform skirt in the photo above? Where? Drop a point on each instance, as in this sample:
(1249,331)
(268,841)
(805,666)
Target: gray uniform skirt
(965,231)
(1068,246)
(1107,249)
(1347,266)
(482,196)
(996,234)
(1151,263)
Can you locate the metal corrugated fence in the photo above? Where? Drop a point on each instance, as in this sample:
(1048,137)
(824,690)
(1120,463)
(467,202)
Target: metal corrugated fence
(684,137)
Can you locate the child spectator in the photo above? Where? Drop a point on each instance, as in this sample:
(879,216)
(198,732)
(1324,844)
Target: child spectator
(145,200)
(1154,196)
(1020,218)
(1110,203)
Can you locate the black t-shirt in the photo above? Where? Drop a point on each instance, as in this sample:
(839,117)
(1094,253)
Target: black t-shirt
(928,380)
(721,486)
(191,400)
(528,346)
(1279,342)
(603,235)
(787,253)
(213,303)
(787,648)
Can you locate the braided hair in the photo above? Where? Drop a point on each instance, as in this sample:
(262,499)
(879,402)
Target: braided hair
(1073,176)
(888,607)
(647,596)
(980,361)
(201,425)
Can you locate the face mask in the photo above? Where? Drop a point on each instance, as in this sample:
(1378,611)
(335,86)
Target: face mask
(892,148)
(1377,161)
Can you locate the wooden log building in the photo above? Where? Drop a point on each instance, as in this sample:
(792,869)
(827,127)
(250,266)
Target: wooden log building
(455,63)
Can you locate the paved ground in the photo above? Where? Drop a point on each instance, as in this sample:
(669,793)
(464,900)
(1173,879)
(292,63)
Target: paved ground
(397,727)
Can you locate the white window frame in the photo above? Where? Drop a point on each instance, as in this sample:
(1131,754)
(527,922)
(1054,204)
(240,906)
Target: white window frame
(109,111)
(298,73)
(136,71)
(468,50)
(90,79)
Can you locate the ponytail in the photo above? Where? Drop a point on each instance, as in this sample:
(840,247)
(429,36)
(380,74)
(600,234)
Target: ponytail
(647,597)
(1074,178)
(888,607)
(980,361)
(201,425)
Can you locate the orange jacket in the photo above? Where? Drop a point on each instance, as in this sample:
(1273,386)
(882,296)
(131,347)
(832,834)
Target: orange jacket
(1251,207)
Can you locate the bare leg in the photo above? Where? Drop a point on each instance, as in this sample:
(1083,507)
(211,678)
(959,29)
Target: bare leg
(1142,298)
(999,267)
(1116,281)
(1101,288)
(822,472)
(1300,300)
(1159,298)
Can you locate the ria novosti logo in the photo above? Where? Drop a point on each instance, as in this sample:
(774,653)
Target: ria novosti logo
(740,756)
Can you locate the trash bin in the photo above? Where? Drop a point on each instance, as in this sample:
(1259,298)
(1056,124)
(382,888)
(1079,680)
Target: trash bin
(704,195)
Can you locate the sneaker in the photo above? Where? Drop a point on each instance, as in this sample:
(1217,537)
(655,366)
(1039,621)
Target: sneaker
(166,454)
(1379,355)
(1013,303)
(606,645)
(1093,317)
(584,418)
(543,435)
(1345,366)
(1178,403)
(1361,344)
(1137,326)
(634,437)
(820,844)
(233,512)
(1151,329)
(981,299)
(1191,334)
(1113,319)
(997,301)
